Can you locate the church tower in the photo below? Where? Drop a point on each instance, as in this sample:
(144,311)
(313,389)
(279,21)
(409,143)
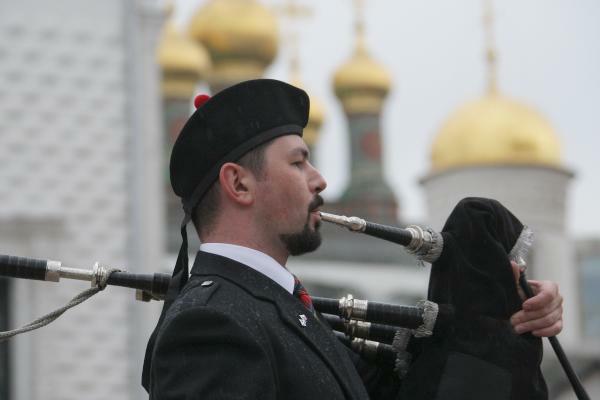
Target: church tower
(500,148)
(350,263)
(361,85)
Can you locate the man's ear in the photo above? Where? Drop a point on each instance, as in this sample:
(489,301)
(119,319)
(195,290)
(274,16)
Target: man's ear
(237,183)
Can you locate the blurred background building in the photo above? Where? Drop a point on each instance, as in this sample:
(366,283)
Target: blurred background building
(93,94)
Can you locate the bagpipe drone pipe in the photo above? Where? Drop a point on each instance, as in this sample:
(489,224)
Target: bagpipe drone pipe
(459,343)
(366,327)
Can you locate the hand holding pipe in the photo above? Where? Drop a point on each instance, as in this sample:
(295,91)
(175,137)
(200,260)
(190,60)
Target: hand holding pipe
(558,350)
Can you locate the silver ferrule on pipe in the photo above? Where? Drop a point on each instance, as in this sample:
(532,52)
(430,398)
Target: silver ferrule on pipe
(96,276)
(53,271)
(418,238)
(100,273)
(353,223)
(358,328)
(76,273)
(365,347)
(426,243)
(351,308)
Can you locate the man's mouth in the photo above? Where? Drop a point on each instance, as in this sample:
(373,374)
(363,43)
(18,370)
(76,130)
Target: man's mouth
(315,205)
(314,209)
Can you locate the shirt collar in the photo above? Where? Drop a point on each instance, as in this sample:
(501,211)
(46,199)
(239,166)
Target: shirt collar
(254,259)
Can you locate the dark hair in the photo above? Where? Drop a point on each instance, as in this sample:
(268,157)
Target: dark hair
(205,213)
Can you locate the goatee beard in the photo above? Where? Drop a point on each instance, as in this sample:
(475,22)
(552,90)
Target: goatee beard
(302,242)
(306,240)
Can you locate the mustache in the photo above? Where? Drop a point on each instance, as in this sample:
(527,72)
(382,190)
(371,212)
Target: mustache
(315,203)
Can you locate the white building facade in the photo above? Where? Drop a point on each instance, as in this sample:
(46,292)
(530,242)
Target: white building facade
(80,148)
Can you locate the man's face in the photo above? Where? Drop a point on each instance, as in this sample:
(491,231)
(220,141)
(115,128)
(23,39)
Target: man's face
(288,195)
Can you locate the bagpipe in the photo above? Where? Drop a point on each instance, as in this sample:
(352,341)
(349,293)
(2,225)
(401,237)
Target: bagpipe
(458,341)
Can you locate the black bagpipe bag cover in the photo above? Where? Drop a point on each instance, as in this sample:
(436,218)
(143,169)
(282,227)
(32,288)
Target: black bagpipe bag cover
(479,356)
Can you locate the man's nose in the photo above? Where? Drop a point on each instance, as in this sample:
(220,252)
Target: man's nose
(318,183)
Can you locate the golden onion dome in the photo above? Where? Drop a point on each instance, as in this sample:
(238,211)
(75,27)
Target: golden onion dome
(182,61)
(495,130)
(361,84)
(240,35)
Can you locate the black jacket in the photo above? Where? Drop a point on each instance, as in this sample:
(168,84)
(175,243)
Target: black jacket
(235,334)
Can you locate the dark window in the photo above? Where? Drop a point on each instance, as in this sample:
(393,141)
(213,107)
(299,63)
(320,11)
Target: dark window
(4,307)
(590,295)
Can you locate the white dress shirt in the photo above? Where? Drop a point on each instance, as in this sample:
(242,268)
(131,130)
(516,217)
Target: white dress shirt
(257,260)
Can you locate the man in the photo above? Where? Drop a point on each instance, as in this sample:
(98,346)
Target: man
(235,330)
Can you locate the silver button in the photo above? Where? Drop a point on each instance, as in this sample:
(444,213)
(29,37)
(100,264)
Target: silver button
(206,283)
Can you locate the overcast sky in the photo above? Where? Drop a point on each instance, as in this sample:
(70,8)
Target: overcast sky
(549,58)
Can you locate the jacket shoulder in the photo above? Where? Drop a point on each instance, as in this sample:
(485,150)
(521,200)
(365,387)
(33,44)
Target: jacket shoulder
(216,294)
(196,293)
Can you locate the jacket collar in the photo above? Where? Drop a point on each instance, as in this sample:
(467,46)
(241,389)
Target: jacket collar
(257,284)
(254,259)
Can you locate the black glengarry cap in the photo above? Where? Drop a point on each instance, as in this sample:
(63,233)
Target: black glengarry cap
(227,126)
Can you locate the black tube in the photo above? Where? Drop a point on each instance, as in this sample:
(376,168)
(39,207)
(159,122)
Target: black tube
(327,306)
(389,314)
(389,233)
(23,267)
(155,283)
(31,268)
(377,332)
(408,316)
(560,354)
(384,354)
(335,322)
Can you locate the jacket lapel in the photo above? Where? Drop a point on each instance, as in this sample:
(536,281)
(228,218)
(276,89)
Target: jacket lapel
(320,340)
(317,336)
